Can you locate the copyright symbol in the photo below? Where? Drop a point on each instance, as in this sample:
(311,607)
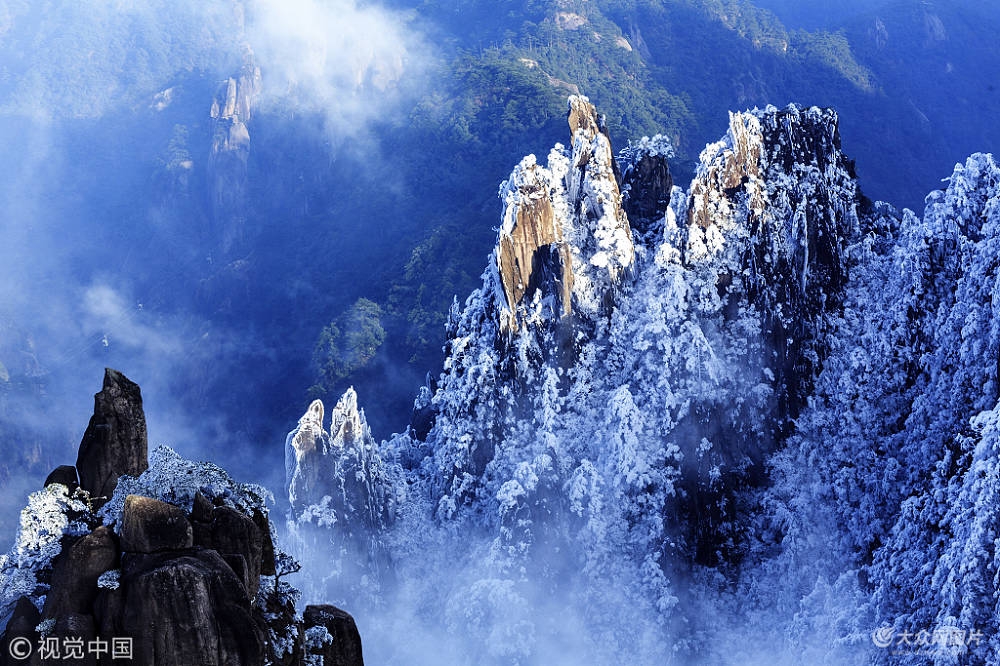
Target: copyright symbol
(883,636)
(20,648)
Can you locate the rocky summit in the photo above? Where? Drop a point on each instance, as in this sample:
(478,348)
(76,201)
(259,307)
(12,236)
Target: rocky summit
(115,441)
(174,557)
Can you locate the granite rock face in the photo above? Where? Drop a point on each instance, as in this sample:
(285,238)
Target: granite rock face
(188,608)
(192,580)
(334,636)
(151,526)
(234,534)
(533,253)
(565,243)
(115,441)
(74,578)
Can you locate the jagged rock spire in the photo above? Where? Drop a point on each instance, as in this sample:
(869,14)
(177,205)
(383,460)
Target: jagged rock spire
(115,441)
(565,241)
(339,469)
(775,205)
(231,112)
(341,495)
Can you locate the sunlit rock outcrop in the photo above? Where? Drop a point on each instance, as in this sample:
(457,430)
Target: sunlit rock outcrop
(231,112)
(340,469)
(565,244)
(341,492)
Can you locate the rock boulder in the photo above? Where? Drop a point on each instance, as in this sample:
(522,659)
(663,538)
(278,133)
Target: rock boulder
(74,577)
(64,474)
(189,608)
(345,647)
(152,526)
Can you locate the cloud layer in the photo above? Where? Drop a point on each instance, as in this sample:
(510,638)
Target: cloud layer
(85,254)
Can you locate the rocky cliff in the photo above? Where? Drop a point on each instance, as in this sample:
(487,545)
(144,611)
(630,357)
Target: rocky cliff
(565,242)
(174,558)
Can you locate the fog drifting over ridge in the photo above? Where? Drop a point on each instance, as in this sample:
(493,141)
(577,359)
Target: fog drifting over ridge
(339,57)
(110,255)
(99,266)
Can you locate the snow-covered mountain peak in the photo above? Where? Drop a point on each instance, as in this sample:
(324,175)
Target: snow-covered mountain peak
(313,453)
(337,481)
(619,401)
(764,153)
(775,207)
(564,242)
(310,430)
(347,423)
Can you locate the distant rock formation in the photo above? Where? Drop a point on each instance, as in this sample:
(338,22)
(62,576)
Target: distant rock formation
(339,488)
(232,110)
(340,467)
(180,559)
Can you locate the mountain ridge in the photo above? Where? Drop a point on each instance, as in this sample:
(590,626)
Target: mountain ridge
(629,438)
